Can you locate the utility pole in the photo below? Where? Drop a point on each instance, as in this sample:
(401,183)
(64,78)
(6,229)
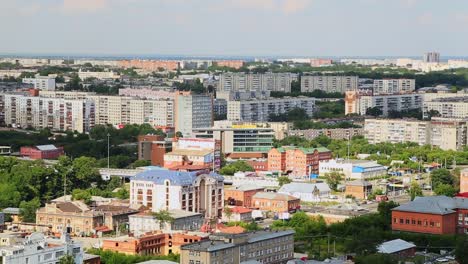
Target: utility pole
(328,244)
(108,150)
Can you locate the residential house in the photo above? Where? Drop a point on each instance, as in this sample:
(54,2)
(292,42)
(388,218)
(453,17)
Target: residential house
(275,202)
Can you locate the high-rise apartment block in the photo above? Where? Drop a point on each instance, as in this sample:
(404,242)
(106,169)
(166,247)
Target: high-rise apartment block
(260,110)
(54,113)
(358,104)
(329,84)
(448,134)
(394,86)
(431,57)
(451,107)
(192,111)
(280,82)
(45,83)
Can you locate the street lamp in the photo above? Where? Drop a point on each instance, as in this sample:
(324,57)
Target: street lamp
(108,150)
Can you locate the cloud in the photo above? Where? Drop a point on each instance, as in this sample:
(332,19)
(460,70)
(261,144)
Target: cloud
(285,6)
(425,19)
(87,6)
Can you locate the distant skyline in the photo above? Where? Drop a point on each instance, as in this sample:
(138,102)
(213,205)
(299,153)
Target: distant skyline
(314,28)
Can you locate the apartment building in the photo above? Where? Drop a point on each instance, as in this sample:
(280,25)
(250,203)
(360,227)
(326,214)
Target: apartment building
(358,104)
(236,64)
(54,113)
(147,93)
(189,191)
(240,141)
(275,202)
(451,107)
(448,134)
(320,62)
(39,249)
(431,57)
(432,215)
(394,86)
(192,111)
(196,152)
(41,82)
(104,75)
(333,133)
(297,162)
(149,65)
(260,110)
(261,246)
(241,195)
(280,82)
(329,84)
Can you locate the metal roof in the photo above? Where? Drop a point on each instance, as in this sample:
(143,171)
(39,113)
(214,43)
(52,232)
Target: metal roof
(174,177)
(46,147)
(394,246)
(440,205)
(301,187)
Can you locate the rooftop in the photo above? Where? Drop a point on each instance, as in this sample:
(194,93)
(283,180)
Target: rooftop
(302,187)
(274,196)
(174,177)
(359,183)
(190,152)
(394,246)
(305,150)
(247,187)
(439,205)
(46,147)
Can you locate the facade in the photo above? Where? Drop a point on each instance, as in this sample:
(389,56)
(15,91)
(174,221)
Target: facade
(278,82)
(37,249)
(192,111)
(329,84)
(54,113)
(41,82)
(464,181)
(307,192)
(145,222)
(151,244)
(257,247)
(432,215)
(241,195)
(431,57)
(237,213)
(394,86)
(448,134)
(297,162)
(149,65)
(189,191)
(153,148)
(452,107)
(260,110)
(358,189)
(275,202)
(104,75)
(200,152)
(333,133)
(147,93)
(353,169)
(358,104)
(42,152)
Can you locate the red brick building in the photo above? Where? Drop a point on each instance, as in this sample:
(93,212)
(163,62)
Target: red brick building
(275,202)
(298,162)
(241,195)
(258,164)
(153,148)
(432,215)
(42,152)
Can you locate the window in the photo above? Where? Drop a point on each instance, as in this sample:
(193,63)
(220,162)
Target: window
(401,221)
(407,221)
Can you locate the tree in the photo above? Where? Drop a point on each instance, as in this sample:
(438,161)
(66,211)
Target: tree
(179,134)
(163,217)
(228,212)
(67,259)
(85,171)
(9,195)
(441,176)
(81,195)
(374,111)
(445,189)
(282,180)
(234,167)
(140,163)
(385,211)
(122,194)
(460,251)
(376,258)
(415,190)
(333,179)
(28,210)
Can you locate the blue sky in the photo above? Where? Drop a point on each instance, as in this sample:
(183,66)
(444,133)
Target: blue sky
(235,27)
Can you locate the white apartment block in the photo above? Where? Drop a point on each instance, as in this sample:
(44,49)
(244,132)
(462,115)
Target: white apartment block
(450,107)
(358,104)
(54,113)
(280,82)
(192,111)
(448,134)
(41,82)
(394,86)
(174,190)
(104,75)
(329,84)
(260,110)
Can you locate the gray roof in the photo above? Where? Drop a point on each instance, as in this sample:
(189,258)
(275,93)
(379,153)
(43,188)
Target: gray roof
(174,177)
(394,246)
(301,187)
(46,147)
(266,235)
(359,183)
(11,210)
(248,187)
(439,205)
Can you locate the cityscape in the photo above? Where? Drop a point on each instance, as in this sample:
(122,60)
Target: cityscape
(246,148)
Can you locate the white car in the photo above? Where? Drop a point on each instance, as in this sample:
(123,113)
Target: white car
(442,260)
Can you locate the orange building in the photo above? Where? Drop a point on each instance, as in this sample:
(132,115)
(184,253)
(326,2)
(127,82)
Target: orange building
(320,62)
(151,244)
(241,195)
(150,65)
(464,181)
(236,64)
(180,157)
(275,202)
(358,189)
(432,215)
(153,148)
(298,162)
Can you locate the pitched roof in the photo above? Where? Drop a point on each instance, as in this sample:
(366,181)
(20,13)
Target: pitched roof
(247,187)
(440,205)
(359,183)
(394,246)
(46,147)
(240,210)
(274,196)
(305,150)
(68,207)
(302,187)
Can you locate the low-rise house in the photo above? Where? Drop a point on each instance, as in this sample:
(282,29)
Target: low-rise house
(432,215)
(307,192)
(358,189)
(152,243)
(182,220)
(42,152)
(237,213)
(275,202)
(397,247)
(241,195)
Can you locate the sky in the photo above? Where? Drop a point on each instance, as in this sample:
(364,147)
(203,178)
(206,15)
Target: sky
(235,27)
